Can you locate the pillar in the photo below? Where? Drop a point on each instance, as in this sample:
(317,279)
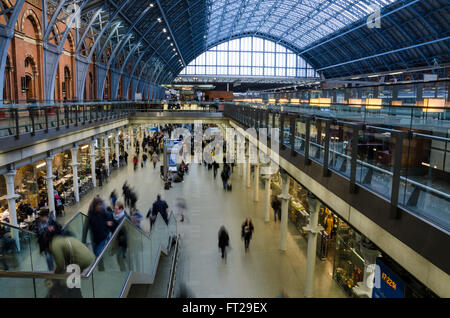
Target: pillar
(266,179)
(75,165)
(256,186)
(106,146)
(117,148)
(370,254)
(50,192)
(284,197)
(248,170)
(94,177)
(241,169)
(11,198)
(244,171)
(312,228)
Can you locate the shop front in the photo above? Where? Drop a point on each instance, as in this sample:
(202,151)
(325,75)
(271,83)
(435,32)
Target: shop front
(343,246)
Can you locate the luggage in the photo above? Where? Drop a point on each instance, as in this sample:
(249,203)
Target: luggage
(142,165)
(229,187)
(167,185)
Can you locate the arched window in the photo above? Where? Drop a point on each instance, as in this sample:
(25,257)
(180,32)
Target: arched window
(250,56)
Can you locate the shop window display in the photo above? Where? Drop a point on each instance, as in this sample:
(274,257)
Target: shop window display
(348,262)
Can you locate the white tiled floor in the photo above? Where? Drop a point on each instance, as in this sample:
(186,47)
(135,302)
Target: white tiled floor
(262,272)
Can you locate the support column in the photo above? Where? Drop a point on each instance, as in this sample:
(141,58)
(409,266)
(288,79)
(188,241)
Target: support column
(370,254)
(11,198)
(285,197)
(266,179)
(248,170)
(50,192)
(94,177)
(117,148)
(241,169)
(312,228)
(256,186)
(75,165)
(106,147)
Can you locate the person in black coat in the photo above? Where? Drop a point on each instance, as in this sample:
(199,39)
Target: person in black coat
(159,206)
(223,240)
(246,233)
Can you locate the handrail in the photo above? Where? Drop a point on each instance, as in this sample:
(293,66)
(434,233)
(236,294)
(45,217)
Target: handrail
(50,275)
(16,227)
(404,179)
(171,284)
(73,218)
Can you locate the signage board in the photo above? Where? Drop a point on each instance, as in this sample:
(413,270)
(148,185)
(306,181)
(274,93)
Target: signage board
(391,285)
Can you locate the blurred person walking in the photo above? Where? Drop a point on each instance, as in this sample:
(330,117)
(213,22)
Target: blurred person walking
(224,240)
(246,232)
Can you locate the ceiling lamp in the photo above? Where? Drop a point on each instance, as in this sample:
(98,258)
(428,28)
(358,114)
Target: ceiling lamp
(159,20)
(174,49)
(164,30)
(171,44)
(168,38)
(151,5)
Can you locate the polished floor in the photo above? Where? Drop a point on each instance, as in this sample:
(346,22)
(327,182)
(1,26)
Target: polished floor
(262,272)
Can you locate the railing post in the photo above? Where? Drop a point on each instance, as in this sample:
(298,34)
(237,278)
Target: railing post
(326,153)
(66,115)
(354,157)
(292,136)
(307,130)
(281,135)
(267,112)
(273,118)
(46,119)
(57,118)
(84,114)
(16,115)
(396,173)
(76,115)
(31,114)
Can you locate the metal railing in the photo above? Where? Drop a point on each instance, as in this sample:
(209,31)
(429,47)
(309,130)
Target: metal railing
(415,185)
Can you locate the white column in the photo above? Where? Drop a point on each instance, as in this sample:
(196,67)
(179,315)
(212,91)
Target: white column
(75,165)
(50,177)
(106,146)
(248,170)
(94,177)
(370,254)
(117,148)
(256,186)
(241,169)
(312,228)
(266,178)
(11,197)
(285,197)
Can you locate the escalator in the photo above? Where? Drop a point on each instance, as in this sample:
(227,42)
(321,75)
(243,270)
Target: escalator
(24,271)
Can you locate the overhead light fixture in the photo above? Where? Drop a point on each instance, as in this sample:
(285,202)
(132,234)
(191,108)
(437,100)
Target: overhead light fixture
(372,76)
(396,73)
(164,30)
(168,38)
(41,165)
(159,20)
(171,44)
(85,146)
(355,78)
(174,49)
(151,5)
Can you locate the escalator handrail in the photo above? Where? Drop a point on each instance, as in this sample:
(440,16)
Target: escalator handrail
(50,275)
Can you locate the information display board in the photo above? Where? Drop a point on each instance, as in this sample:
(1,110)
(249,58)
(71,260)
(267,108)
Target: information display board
(391,286)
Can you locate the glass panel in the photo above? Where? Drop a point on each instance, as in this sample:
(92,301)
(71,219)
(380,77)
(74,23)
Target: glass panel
(424,188)
(340,149)
(58,288)
(375,161)
(16,287)
(317,140)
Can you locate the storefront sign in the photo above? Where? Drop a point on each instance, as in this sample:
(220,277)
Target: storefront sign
(391,286)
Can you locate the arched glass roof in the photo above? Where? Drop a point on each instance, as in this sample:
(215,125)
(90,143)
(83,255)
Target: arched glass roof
(297,22)
(331,35)
(250,56)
